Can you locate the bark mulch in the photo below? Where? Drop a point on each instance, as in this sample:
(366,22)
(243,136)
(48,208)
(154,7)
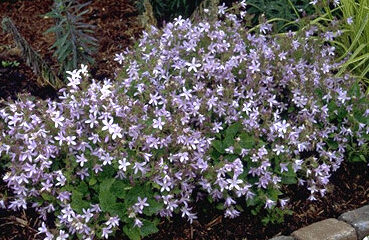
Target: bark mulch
(117,27)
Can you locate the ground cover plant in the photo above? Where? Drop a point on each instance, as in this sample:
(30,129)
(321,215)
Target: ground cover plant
(199,110)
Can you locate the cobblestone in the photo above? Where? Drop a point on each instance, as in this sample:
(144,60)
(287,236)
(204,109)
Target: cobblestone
(359,219)
(329,229)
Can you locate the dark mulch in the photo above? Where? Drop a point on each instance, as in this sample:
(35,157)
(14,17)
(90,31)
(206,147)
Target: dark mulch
(116,28)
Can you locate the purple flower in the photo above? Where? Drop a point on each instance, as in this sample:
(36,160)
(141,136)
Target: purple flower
(158,123)
(192,66)
(254,67)
(105,232)
(113,222)
(123,164)
(81,159)
(119,58)
(62,235)
(269,203)
(138,223)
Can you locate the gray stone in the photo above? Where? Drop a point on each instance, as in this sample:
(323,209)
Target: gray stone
(329,229)
(282,238)
(359,219)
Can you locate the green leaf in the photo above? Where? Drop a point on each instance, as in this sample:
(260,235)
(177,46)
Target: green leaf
(273,193)
(118,209)
(120,188)
(61,41)
(220,206)
(106,196)
(218,146)
(153,208)
(228,142)
(82,188)
(252,201)
(230,157)
(108,172)
(357,158)
(232,130)
(214,154)
(148,228)
(332,144)
(78,203)
(247,141)
(132,233)
(289,180)
(135,192)
(92,181)
(47,197)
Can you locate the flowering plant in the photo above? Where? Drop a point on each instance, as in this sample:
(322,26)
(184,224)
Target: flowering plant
(204,109)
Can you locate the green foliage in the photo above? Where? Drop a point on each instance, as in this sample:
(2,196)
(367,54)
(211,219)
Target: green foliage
(288,10)
(9,64)
(166,10)
(356,151)
(74,41)
(234,137)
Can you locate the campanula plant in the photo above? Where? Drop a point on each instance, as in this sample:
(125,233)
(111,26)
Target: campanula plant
(197,108)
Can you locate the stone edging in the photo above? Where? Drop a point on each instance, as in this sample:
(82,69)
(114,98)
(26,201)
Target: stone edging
(351,225)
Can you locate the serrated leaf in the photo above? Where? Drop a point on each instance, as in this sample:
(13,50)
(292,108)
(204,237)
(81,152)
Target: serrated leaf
(288,180)
(332,144)
(148,228)
(92,181)
(48,197)
(273,193)
(82,188)
(220,206)
(132,233)
(118,209)
(252,201)
(218,146)
(78,203)
(357,158)
(228,142)
(108,172)
(153,208)
(232,130)
(135,192)
(119,188)
(247,141)
(106,196)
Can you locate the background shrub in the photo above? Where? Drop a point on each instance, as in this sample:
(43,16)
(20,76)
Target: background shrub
(74,42)
(167,10)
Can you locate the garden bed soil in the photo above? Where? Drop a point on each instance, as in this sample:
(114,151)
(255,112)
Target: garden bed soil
(117,27)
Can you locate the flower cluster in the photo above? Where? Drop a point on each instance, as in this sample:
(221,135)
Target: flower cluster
(204,108)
